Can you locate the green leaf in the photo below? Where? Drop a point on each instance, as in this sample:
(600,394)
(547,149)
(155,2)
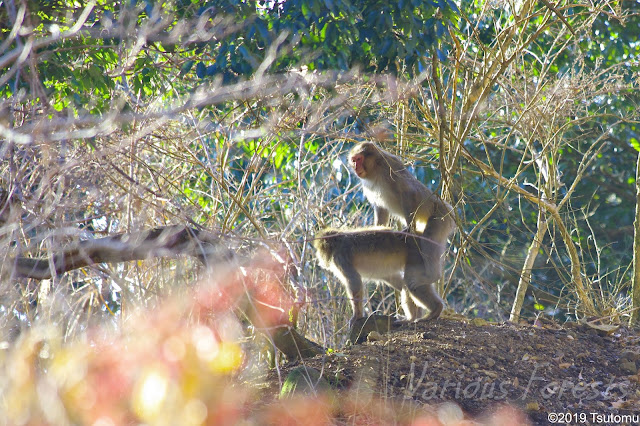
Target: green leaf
(186,67)
(323,32)
(306,12)
(201,70)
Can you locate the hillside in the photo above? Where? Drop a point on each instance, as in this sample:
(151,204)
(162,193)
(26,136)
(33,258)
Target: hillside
(538,369)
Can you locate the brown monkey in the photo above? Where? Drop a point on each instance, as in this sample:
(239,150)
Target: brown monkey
(393,190)
(381,254)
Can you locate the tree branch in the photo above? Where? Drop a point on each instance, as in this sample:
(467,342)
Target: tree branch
(124,247)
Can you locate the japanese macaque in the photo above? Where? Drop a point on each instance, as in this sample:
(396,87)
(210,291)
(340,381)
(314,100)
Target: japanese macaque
(381,254)
(394,191)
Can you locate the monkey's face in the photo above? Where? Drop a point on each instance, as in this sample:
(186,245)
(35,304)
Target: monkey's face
(360,157)
(357,162)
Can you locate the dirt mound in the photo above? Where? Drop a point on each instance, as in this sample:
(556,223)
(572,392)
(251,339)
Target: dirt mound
(578,373)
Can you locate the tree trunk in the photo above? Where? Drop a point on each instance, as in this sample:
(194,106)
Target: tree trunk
(525,275)
(635,288)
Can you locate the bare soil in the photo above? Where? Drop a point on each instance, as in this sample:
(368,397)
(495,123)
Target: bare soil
(575,371)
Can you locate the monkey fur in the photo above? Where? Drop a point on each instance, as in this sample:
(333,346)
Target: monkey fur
(394,191)
(381,254)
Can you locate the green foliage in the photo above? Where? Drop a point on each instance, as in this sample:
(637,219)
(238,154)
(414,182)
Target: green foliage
(321,35)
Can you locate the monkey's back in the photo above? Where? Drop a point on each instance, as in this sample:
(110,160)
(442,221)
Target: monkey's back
(373,251)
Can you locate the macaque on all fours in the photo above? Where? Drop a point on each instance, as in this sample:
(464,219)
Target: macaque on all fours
(380,254)
(394,191)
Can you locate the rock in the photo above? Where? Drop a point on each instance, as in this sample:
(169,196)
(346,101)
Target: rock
(390,347)
(630,355)
(491,374)
(363,326)
(600,329)
(628,367)
(532,406)
(304,380)
(374,336)
(479,322)
(427,335)
(490,362)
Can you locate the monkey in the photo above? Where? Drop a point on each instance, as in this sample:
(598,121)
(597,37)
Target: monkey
(394,191)
(381,254)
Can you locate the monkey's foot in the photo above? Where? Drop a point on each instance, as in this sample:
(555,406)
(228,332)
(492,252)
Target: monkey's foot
(401,322)
(434,314)
(429,318)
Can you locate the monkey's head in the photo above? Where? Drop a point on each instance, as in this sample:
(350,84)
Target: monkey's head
(362,158)
(370,162)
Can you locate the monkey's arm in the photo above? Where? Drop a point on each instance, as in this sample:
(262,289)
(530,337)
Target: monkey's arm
(380,216)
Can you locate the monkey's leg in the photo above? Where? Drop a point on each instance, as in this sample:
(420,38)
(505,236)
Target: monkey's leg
(428,297)
(396,281)
(411,311)
(355,295)
(420,286)
(431,252)
(353,284)
(380,216)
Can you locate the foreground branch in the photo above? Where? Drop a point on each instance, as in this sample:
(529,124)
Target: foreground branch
(160,242)
(124,247)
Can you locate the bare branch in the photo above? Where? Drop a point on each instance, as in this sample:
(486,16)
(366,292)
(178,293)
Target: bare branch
(123,247)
